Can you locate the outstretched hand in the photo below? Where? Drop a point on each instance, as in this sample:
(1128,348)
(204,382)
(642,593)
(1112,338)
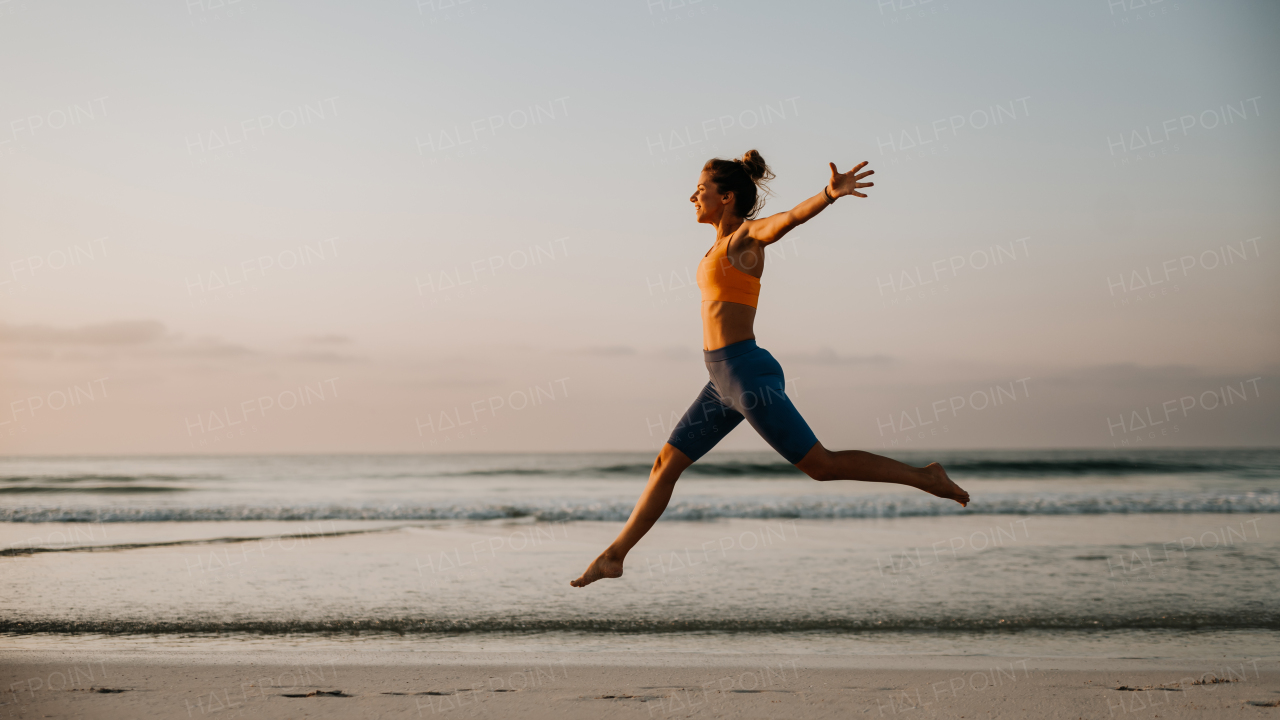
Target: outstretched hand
(847,183)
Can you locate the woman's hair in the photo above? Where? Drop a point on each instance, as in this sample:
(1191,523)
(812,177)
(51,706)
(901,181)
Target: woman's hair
(744,178)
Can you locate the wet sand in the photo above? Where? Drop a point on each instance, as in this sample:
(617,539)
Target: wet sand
(168,684)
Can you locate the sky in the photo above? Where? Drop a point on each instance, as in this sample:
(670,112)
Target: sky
(266,226)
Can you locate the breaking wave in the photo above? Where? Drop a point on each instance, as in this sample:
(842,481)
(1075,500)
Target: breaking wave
(420,625)
(691,509)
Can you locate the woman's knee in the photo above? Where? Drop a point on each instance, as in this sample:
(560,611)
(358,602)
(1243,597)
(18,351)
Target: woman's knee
(821,473)
(670,463)
(819,464)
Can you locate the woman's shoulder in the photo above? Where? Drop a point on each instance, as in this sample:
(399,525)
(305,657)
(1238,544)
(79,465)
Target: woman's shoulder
(742,238)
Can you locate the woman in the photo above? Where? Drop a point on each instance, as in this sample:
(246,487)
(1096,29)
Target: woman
(746,382)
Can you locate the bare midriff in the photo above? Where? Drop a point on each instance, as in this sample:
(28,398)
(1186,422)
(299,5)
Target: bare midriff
(725,323)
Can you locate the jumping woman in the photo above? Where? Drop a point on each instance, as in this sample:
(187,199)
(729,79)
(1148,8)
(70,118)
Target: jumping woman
(746,382)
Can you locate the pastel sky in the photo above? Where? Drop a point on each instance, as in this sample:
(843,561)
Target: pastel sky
(440,226)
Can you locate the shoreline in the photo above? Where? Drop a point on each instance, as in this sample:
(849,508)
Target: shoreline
(561,685)
(303,656)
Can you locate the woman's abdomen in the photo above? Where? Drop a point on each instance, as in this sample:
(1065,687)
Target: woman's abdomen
(725,323)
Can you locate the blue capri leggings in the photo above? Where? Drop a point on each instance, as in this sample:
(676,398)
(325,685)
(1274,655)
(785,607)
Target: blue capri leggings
(746,382)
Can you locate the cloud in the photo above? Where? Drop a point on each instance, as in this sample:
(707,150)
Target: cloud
(608,350)
(142,338)
(327,339)
(211,347)
(1130,374)
(129,332)
(675,352)
(324,357)
(827,356)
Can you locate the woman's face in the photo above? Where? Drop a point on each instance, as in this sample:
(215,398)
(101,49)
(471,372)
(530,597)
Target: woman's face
(709,204)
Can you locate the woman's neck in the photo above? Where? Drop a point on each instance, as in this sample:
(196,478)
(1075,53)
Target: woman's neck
(727,226)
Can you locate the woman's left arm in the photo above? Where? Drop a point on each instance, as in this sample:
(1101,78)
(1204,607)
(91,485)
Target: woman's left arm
(771,229)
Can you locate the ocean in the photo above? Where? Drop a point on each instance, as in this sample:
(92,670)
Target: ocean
(1154,553)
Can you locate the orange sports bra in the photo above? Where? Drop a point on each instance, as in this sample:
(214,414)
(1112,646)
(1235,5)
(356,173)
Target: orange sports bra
(720,281)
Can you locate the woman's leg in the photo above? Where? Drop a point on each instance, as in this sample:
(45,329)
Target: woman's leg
(755,386)
(653,501)
(704,424)
(822,464)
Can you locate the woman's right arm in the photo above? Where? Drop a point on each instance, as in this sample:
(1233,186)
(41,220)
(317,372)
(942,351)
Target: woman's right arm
(771,229)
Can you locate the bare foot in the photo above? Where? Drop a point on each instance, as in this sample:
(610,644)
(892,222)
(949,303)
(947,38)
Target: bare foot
(602,567)
(937,483)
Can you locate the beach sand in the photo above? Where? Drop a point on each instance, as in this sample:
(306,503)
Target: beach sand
(562,685)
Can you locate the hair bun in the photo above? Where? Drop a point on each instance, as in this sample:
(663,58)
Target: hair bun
(745,178)
(755,166)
